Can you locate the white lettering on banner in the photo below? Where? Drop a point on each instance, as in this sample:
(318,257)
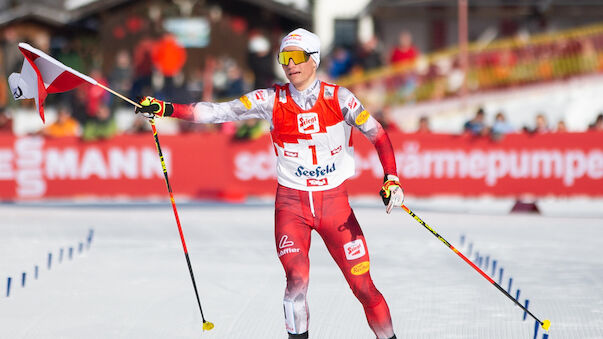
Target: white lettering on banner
(496,164)
(29,158)
(131,163)
(62,164)
(93,164)
(123,163)
(260,165)
(6,164)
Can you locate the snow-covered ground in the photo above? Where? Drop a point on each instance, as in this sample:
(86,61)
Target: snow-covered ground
(133,281)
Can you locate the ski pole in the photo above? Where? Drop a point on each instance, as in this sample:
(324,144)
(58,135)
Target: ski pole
(545,324)
(206,324)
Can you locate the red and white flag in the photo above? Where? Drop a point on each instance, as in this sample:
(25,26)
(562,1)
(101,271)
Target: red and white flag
(42,74)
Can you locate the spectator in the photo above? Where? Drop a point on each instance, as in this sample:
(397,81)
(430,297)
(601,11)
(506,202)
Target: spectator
(6,122)
(476,126)
(561,128)
(261,61)
(103,126)
(121,76)
(341,63)
(64,126)
(139,126)
(369,55)
(541,124)
(598,124)
(423,126)
(501,126)
(235,85)
(405,51)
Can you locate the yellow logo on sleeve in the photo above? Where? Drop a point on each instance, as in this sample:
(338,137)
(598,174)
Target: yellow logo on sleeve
(245,100)
(361,268)
(362,117)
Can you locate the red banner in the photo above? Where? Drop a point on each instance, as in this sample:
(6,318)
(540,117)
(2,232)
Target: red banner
(213,166)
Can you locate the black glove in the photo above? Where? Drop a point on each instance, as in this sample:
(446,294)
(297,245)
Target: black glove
(153,107)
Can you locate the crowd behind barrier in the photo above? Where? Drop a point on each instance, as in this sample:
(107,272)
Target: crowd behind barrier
(381,77)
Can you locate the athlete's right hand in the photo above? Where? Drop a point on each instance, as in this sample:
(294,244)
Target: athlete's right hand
(391,192)
(150,107)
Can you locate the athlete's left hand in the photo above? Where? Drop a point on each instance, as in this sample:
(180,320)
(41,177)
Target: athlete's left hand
(391,192)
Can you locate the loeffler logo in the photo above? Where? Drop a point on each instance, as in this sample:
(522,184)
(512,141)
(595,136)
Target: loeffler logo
(285,242)
(354,249)
(285,246)
(308,123)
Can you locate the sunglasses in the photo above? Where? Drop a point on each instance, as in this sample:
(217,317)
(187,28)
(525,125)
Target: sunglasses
(298,57)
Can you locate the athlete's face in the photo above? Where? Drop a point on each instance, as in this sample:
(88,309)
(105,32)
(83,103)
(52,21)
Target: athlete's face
(301,75)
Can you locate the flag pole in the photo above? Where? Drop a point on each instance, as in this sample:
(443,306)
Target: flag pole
(119,95)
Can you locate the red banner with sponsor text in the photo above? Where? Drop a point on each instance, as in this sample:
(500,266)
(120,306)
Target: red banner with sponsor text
(212,166)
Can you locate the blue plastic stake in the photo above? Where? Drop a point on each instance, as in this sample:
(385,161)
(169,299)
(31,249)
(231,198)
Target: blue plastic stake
(61,255)
(462,239)
(49,260)
(517,294)
(476,260)
(470,249)
(525,314)
(80,247)
(90,236)
(536,325)
(493,267)
(487,262)
(8,281)
(36,272)
(70,253)
(501,276)
(510,283)
(23,275)
(545,336)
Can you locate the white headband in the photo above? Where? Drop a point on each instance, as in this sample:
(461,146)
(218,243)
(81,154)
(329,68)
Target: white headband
(305,40)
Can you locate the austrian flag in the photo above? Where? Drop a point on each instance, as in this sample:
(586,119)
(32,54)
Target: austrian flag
(42,74)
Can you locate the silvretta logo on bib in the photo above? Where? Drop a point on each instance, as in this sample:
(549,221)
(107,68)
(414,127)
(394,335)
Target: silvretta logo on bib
(308,123)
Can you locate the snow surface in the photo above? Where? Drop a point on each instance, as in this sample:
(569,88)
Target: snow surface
(133,281)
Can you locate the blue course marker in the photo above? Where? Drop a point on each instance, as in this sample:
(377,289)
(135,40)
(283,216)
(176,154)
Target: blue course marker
(462,240)
(536,325)
(36,272)
(8,281)
(90,236)
(49,260)
(470,249)
(545,336)
(510,283)
(70,253)
(487,262)
(525,314)
(517,294)
(501,271)
(80,247)
(493,267)
(61,255)
(23,275)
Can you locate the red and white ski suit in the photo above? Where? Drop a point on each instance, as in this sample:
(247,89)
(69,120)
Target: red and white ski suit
(312,136)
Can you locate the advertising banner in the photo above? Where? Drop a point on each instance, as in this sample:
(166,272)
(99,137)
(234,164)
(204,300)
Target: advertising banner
(212,166)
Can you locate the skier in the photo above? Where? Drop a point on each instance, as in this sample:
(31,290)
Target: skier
(311,124)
